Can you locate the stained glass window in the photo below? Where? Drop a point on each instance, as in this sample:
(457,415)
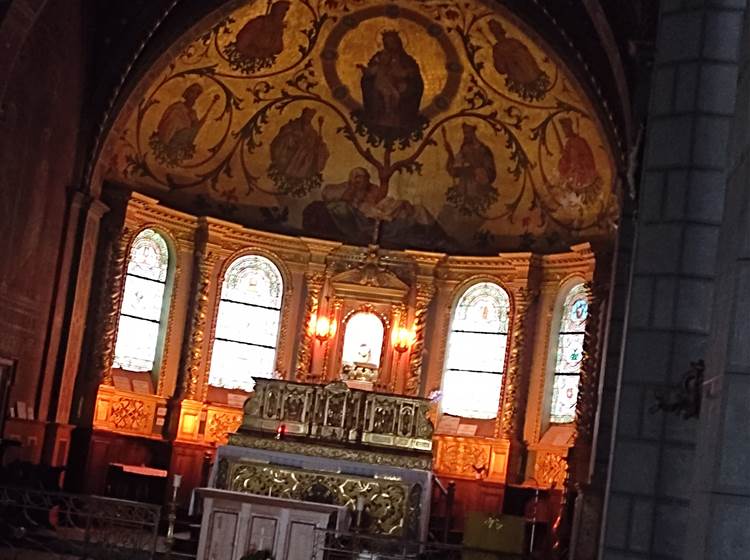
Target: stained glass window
(142,302)
(247,326)
(475,359)
(569,355)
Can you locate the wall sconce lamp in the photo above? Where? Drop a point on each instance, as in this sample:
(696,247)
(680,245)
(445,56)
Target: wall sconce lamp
(402,339)
(322,328)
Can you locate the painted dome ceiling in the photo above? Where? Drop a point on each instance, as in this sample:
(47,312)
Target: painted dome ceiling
(433,125)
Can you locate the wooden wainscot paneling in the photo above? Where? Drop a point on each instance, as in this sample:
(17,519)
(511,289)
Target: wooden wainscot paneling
(549,456)
(30,435)
(220,422)
(550,468)
(191,461)
(471,458)
(129,413)
(206,423)
(191,415)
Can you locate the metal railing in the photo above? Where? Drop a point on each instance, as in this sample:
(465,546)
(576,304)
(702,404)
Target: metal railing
(77,526)
(334,545)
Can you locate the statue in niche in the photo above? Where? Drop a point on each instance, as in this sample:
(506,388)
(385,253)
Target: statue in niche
(392,89)
(577,166)
(512,58)
(298,155)
(173,140)
(473,172)
(259,41)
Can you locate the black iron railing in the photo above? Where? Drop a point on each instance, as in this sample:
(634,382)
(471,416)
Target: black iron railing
(77,525)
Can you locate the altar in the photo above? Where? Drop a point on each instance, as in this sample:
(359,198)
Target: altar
(365,452)
(236,524)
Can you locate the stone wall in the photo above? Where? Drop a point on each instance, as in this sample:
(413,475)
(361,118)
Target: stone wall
(680,212)
(38,134)
(720,511)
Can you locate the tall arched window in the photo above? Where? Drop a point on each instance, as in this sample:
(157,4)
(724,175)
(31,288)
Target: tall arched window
(142,302)
(475,360)
(247,327)
(569,355)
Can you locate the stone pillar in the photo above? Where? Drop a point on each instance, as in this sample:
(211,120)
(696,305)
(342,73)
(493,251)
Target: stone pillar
(720,505)
(50,379)
(682,187)
(70,380)
(57,434)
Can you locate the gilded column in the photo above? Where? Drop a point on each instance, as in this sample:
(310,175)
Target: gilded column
(184,251)
(589,380)
(425,293)
(315,282)
(206,260)
(110,302)
(510,414)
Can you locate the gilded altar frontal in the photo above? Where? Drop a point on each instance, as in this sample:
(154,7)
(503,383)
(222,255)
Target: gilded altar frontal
(433,125)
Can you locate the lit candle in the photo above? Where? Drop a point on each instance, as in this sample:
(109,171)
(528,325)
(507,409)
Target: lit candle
(176,480)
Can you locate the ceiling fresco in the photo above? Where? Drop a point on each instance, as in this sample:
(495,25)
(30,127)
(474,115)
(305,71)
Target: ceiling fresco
(432,125)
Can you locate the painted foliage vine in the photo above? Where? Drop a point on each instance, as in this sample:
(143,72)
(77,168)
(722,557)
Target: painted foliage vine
(432,124)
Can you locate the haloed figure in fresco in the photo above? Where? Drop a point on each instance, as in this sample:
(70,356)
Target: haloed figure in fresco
(298,155)
(173,140)
(392,89)
(514,60)
(577,167)
(260,40)
(473,172)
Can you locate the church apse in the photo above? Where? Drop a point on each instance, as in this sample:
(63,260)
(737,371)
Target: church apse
(439,126)
(385,157)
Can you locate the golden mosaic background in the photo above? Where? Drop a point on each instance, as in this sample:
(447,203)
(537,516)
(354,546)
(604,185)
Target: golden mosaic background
(273,114)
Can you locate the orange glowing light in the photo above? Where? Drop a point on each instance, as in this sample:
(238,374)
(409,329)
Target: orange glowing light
(402,339)
(324,328)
